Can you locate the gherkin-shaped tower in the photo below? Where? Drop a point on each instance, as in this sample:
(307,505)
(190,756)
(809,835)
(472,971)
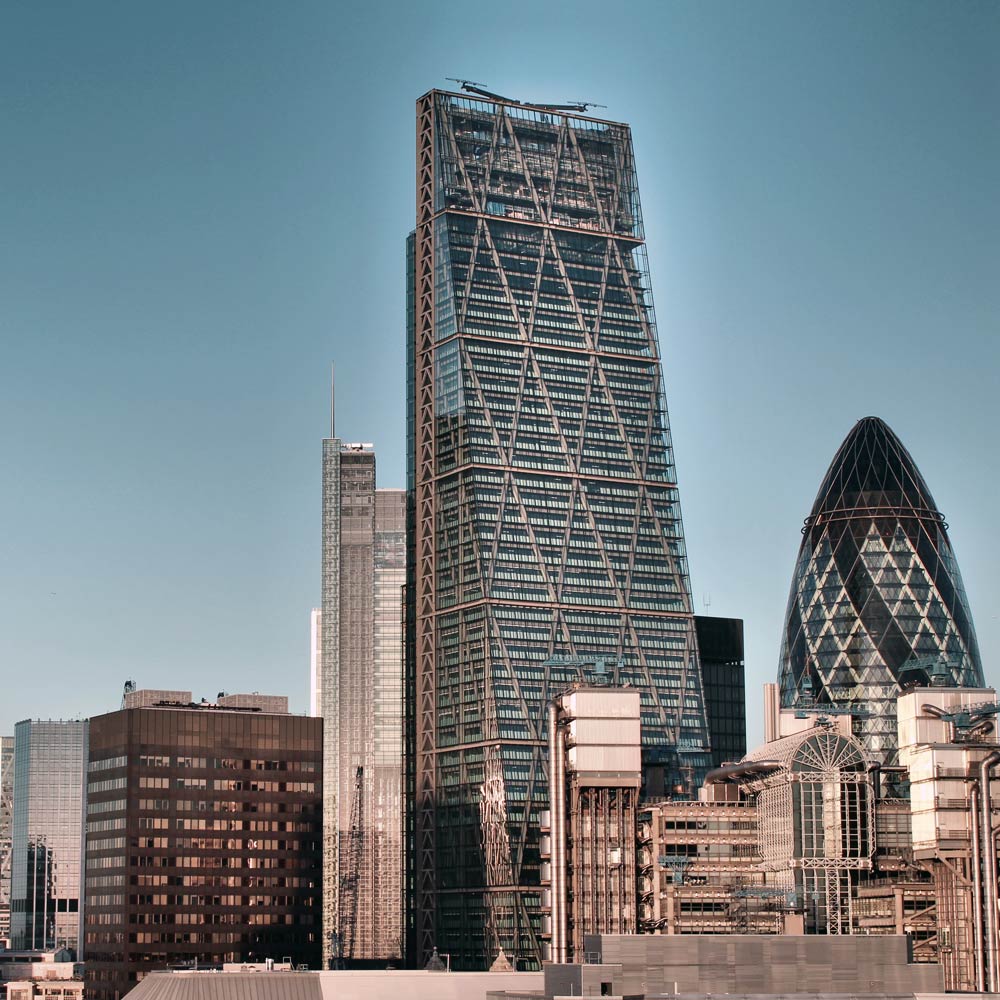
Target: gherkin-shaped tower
(876,593)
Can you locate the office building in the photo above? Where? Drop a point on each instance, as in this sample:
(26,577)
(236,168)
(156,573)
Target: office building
(720,651)
(876,597)
(203,836)
(545,524)
(359,686)
(589,831)
(50,760)
(52,975)
(6,829)
(699,869)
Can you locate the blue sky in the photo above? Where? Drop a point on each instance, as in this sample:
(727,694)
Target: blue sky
(202,205)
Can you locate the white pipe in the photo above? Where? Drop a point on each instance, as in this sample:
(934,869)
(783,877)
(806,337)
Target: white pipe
(989,871)
(557,826)
(977,888)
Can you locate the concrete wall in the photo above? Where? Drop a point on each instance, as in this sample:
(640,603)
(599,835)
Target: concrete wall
(749,963)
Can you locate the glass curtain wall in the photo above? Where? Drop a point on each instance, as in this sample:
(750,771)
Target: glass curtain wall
(546,532)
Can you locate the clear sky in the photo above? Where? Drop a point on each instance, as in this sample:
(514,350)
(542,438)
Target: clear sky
(203,204)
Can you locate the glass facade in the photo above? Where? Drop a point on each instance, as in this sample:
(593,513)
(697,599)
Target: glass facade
(816,821)
(6,828)
(47,855)
(720,651)
(876,591)
(545,531)
(203,841)
(361,701)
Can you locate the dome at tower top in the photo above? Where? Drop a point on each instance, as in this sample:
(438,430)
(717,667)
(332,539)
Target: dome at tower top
(876,591)
(871,471)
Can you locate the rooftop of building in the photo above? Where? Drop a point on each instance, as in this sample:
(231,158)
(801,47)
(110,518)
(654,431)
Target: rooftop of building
(569,109)
(252,702)
(416,984)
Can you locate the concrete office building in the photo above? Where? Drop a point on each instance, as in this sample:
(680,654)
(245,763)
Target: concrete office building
(52,975)
(203,837)
(588,854)
(50,760)
(359,691)
(699,869)
(545,514)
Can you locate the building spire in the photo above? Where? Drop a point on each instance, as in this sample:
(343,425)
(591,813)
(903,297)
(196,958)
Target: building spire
(333,433)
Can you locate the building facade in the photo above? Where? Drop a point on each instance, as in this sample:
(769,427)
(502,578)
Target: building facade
(876,592)
(315,661)
(50,760)
(723,673)
(203,840)
(360,696)
(6,829)
(699,869)
(545,523)
(588,841)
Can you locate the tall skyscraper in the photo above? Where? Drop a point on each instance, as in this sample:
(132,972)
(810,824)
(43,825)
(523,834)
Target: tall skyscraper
(545,529)
(50,760)
(6,828)
(876,591)
(360,689)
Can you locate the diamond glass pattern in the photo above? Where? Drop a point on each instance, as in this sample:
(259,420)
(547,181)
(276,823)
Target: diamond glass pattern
(876,588)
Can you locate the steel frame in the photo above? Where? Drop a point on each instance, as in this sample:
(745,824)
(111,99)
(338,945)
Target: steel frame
(570,198)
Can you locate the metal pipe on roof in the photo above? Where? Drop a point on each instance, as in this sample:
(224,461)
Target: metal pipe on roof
(989,880)
(934,710)
(557,835)
(728,771)
(977,887)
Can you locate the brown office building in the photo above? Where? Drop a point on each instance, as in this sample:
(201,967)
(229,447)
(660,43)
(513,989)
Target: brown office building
(204,838)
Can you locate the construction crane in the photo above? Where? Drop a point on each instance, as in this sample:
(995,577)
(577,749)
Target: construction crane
(352,869)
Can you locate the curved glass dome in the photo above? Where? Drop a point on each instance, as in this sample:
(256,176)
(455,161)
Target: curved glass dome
(876,591)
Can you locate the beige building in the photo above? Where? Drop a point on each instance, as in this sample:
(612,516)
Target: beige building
(360,698)
(588,842)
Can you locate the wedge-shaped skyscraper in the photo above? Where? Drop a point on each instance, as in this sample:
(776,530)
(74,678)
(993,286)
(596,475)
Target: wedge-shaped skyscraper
(876,596)
(545,528)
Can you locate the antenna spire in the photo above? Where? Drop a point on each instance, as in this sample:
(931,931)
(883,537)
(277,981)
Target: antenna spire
(333,432)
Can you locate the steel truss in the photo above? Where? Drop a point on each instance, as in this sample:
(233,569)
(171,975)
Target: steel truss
(546,518)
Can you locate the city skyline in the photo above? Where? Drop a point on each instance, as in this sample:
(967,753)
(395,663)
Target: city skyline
(820,200)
